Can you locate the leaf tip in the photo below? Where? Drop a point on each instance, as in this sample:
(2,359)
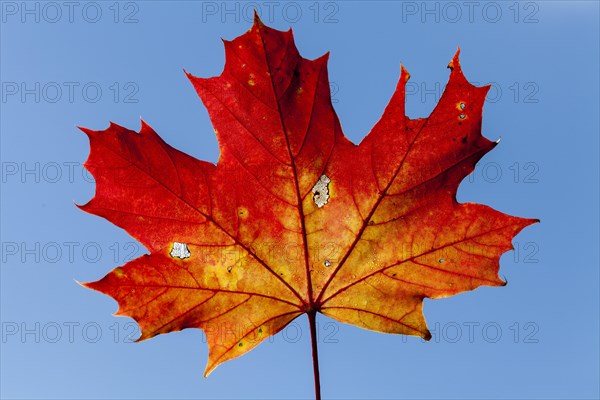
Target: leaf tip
(196,81)
(257,21)
(87,285)
(404,74)
(85,130)
(84,207)
(144,127)
(114,127)
(144,335)
(209,369)
(427,336)
(455,62)
(530,221)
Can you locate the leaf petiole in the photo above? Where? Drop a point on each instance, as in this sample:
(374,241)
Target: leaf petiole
(312,316)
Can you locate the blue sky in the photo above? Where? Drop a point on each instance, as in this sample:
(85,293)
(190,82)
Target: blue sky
(88,63)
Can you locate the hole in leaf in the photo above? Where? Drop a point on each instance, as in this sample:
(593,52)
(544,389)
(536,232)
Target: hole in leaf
(321,191)
(180,250)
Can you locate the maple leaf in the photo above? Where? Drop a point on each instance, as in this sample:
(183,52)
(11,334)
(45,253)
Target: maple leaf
(294,218)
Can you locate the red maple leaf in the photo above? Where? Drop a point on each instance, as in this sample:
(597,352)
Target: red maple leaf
(294,218)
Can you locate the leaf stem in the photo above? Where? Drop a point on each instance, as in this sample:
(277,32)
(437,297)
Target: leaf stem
(312,316)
